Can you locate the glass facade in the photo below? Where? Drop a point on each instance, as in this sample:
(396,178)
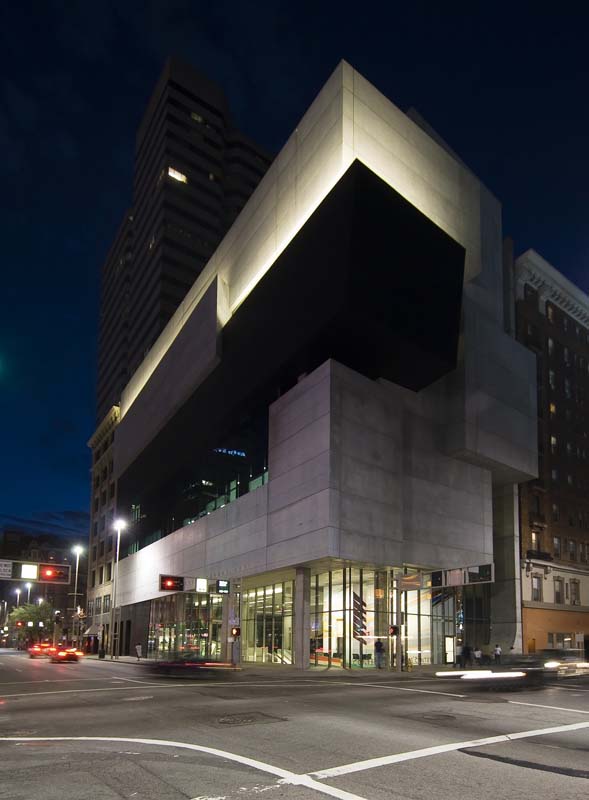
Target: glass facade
(352,608)
(185,622)
(349,612)
(266,623)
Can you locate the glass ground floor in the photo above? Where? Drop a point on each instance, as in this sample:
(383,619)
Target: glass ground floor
(350,617)
(186,622)
(355,615)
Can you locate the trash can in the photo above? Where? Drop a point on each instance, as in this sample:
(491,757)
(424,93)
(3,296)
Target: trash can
(101,653)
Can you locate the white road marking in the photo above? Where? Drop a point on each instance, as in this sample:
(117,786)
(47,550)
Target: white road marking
(215,684)
(75,691)
(399,688)
(554,708)
(396,758)
(572,687)
(136,699)
(288,777)
(57,680)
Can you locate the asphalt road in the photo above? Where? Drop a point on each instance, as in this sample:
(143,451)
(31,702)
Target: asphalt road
(104,730)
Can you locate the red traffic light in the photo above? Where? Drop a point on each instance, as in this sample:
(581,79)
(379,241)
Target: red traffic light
(393,630)
(235,631)
(171,583)
(54,573)
(19,623)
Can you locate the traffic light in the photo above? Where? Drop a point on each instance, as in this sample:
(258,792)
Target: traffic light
(171,583)
(19,623)
(235,631)
(393,630)
(54,573)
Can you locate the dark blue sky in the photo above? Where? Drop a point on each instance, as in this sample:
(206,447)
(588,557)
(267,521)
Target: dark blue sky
(506,89)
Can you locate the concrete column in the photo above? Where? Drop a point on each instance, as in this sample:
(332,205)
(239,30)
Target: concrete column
(302,618)
(506,616)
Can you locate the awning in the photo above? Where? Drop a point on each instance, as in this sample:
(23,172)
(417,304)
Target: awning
(93,630)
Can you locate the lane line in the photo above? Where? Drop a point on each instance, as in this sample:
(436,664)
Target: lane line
(573,687)
(215,684)
(554,708)
(287,776)
(63,680)
(400,688)
(396,758)
(78,691)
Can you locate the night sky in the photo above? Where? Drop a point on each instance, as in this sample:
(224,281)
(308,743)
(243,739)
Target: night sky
(507,90)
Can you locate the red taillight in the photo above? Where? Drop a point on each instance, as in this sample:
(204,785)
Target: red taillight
(52,650)
(61,653)
(79,653)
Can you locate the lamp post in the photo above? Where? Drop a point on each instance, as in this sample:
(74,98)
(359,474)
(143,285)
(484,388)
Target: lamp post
(28,588)
(119,525)
(77,550)
(17,597)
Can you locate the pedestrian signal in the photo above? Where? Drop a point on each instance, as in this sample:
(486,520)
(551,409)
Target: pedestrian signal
(235,631)
(393,630)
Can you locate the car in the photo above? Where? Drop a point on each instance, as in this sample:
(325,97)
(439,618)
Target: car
(189,664)
(41,650)
(66,654)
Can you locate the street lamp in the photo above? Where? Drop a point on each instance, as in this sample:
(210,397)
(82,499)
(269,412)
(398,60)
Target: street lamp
(39,601)
(17,597)
(28,588)
(119,525)
(77,550)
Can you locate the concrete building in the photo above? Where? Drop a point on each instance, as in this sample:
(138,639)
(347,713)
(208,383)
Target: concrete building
(333,424)
(552,318)
(193,173)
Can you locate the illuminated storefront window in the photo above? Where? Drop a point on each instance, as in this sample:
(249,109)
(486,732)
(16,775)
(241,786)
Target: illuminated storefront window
(186,622)
(266,624)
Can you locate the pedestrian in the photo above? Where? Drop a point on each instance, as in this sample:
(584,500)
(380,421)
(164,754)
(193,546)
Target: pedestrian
(497,654)
(478,656)
(379,653)
(467,656)
(138,651)
(458,662)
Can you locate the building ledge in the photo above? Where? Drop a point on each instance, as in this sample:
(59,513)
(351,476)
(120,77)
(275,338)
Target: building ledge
(555,606)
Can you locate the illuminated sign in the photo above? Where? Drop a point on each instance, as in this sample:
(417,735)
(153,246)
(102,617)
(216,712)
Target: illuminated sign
(222,587)
(5,569)
(225,452)
(202,585)
(29,571)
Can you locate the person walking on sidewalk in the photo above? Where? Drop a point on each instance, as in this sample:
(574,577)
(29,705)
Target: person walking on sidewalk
(138,651)
(497,654)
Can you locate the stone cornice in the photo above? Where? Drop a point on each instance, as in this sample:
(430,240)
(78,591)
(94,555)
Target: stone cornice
(110,421)
(552,285)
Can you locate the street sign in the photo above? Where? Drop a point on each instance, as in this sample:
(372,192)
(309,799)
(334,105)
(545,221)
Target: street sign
(5,570)
(222,587)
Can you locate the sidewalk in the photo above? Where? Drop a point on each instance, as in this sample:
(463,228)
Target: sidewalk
(283,670)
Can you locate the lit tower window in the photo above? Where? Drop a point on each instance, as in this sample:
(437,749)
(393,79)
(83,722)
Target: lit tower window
(178,176)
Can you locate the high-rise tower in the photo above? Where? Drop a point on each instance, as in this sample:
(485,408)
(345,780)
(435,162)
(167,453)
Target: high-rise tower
(193,174)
